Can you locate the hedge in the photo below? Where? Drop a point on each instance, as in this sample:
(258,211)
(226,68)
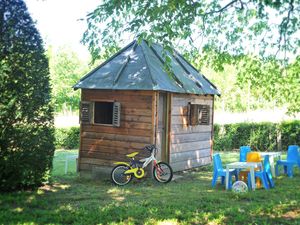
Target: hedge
(67,138)
(260,136)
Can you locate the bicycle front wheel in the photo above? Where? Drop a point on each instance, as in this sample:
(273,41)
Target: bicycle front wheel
(163,172)
(119,177)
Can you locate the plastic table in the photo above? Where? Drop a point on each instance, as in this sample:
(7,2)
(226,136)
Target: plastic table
(243,165)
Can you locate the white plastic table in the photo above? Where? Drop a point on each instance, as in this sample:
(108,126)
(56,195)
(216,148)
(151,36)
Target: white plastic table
(243,165)
(271,155)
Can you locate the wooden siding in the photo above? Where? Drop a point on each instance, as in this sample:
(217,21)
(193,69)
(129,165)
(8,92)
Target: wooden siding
(190,146)
(102,145)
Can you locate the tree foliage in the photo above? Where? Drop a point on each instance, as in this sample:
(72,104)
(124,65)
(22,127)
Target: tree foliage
(26,118)
(259,36)
(252,83)
(228,26)
(65,70)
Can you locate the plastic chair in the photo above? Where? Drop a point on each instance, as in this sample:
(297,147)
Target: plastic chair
(264,175)
(267,169)
(243,153)
(293,159)
(251,157)
(220,172)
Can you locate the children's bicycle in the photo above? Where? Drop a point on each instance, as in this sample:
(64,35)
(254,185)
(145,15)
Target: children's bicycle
(123,173)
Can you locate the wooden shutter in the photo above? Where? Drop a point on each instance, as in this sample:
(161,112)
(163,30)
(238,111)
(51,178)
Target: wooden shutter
(116,114)
(85,112)
(198,114)
(203,114)
(193,114)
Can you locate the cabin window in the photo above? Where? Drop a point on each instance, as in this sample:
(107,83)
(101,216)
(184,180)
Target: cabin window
(107,113)
(199,114)
(103,112)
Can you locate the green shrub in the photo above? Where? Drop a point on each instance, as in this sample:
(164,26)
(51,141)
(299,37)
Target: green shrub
(67,138)
(290,133)
(222,140)
(260,136)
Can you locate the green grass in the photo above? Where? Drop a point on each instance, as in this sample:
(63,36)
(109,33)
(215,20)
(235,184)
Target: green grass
(59,163)
(189,200)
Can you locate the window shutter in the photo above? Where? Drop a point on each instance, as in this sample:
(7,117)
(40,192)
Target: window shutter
(198,114)
(85,112)
(193,109)
(203,114)
(116,114)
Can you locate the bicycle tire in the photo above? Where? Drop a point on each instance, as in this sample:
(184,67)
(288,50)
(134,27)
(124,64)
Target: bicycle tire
(163,172)
(118,177)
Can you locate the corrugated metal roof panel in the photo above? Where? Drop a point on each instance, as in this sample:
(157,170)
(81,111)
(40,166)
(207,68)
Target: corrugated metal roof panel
(141,67)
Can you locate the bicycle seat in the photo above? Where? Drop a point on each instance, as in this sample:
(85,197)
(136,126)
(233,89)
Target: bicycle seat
(131,155)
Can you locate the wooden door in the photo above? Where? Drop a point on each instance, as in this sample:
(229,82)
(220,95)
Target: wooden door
(162,127)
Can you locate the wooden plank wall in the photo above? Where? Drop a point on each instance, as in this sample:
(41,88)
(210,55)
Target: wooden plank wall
(189,145)
(103,145)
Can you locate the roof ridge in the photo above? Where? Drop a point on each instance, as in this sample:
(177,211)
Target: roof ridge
(104,63)
(162,61)
(125,63)
(147,62)
(197,71)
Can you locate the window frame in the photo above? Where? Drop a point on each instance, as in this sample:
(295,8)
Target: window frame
(93,113)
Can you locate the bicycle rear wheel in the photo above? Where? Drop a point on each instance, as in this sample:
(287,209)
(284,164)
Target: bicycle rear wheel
(163,172)
(119,177)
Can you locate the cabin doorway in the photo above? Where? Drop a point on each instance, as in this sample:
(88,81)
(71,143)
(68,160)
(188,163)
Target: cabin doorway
(162,128)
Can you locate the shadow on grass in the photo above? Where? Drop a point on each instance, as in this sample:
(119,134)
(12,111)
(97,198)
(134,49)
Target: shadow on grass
(189,200)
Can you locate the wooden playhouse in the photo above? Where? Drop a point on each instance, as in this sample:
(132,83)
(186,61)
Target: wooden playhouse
(129,101)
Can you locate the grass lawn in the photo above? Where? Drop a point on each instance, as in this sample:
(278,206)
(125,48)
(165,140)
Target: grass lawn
(189,200)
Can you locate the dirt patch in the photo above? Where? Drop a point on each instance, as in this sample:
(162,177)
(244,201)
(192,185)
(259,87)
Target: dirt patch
(294,214)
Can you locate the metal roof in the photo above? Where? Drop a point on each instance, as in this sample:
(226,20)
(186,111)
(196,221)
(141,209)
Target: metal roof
(141,67)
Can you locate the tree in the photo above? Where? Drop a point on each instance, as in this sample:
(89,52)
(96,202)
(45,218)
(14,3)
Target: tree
(65,70)
(26,116)
(292,91)
(219,31)
(228,26)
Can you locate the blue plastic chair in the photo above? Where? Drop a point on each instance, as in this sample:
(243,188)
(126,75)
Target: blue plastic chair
(264,175)
(293,159)
(220,172)
(243,153)
(267,169)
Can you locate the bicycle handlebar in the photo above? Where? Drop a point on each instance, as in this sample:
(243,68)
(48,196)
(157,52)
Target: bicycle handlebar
(151,148)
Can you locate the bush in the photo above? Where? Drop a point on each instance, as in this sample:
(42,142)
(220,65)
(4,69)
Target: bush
(67,138)
(260,136)
(29,162)
(290,133)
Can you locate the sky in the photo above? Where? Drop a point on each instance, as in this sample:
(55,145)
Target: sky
(59,21)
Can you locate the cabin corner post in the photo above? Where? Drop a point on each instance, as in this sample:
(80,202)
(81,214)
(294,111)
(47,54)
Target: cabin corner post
(80,136)
(168,127)
(154,119)
(212,127)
